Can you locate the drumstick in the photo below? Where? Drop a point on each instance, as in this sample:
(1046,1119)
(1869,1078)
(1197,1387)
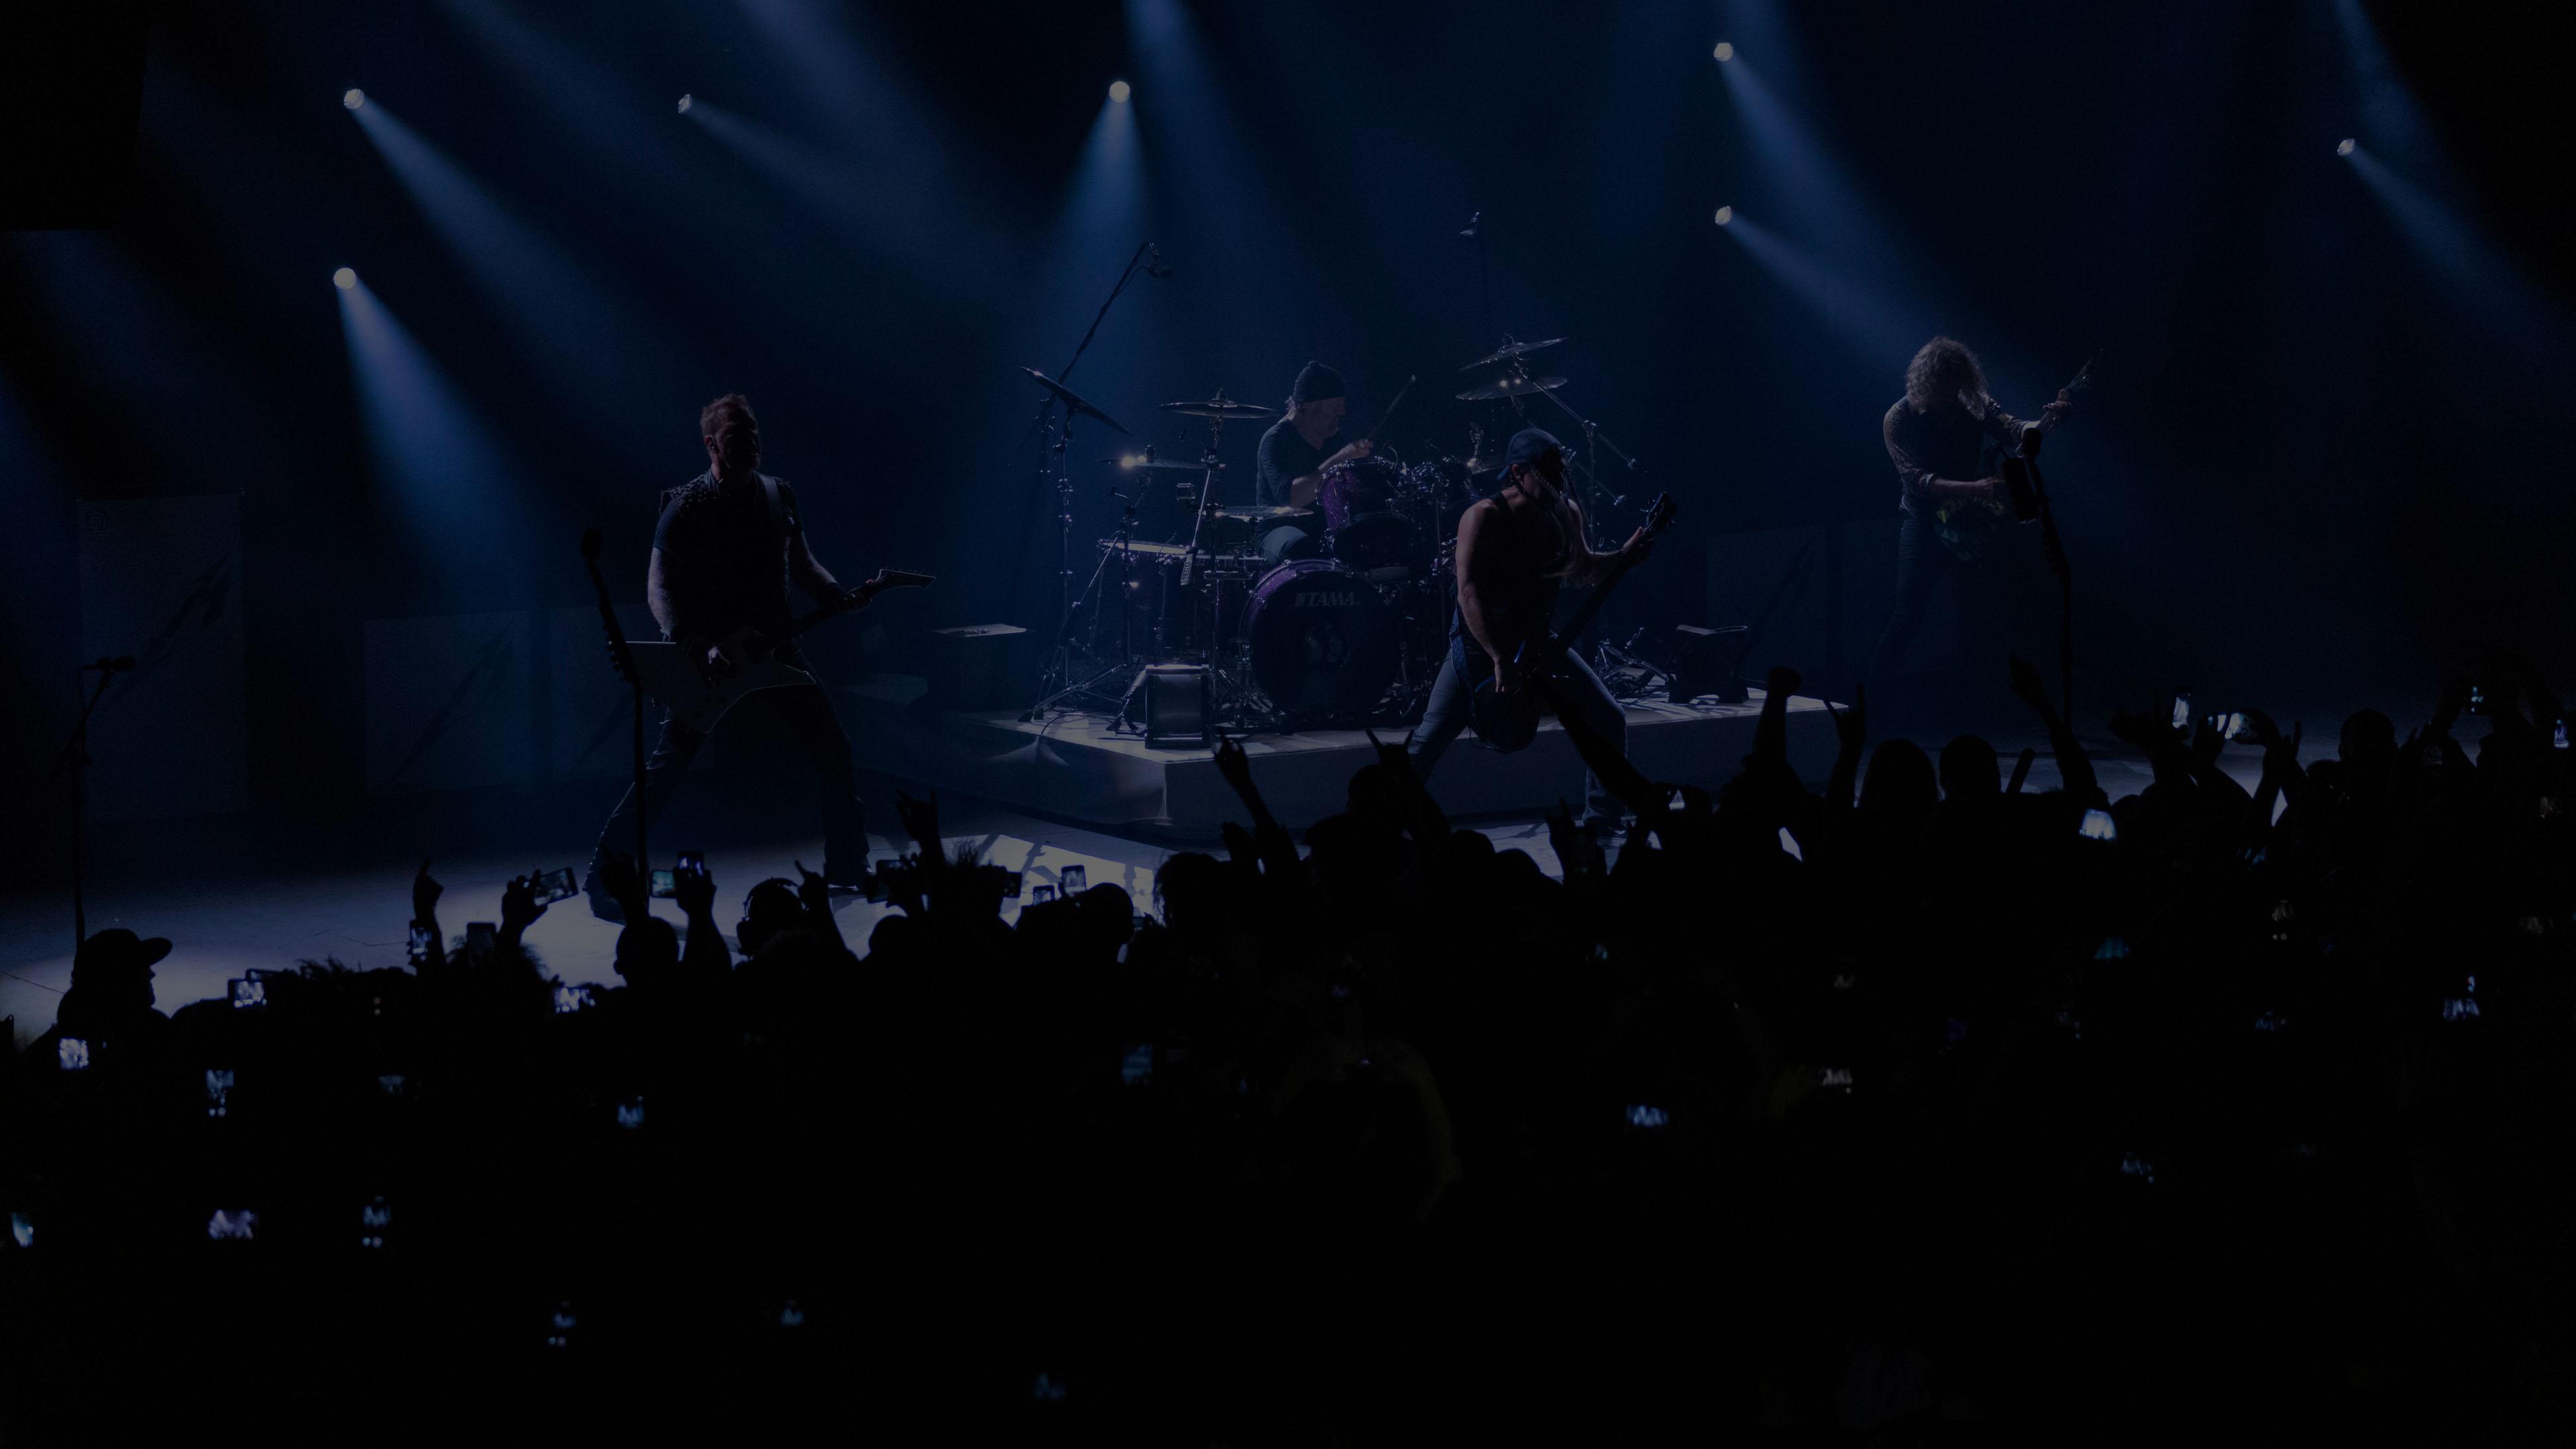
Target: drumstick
(1391,407)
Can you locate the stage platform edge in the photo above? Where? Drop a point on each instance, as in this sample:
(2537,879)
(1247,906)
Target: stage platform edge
(1075,767)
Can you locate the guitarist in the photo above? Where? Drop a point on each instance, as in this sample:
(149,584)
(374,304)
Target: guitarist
(1515,550)
(1953,509)
(728,545)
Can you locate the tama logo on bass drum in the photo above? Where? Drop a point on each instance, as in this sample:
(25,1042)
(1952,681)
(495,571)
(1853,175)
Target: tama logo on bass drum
(1340,599)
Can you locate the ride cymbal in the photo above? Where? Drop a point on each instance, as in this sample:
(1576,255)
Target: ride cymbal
(1509,351)
(1511,387)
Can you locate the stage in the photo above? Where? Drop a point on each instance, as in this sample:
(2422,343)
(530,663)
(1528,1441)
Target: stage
(1079,767)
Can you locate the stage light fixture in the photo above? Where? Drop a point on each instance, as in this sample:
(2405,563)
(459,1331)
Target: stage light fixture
(353,98)
(2344,146)
(684,104)
(1118,91)
(344,279)
(1725,50)
(1725,214)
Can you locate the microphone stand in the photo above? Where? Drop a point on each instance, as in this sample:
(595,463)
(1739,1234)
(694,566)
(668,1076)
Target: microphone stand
(74,758)
(1054,458)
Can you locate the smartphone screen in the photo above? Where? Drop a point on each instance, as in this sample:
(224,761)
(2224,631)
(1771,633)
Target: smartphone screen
(556,885)
(1013,882)
(1075,879)
(690,862)
(2477,699)
(2182,709)
(2098,825)
(665,885)
(1039,895)
(248,991)
(419,945)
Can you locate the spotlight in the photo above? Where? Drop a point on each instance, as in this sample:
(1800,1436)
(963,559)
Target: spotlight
(344,278)
(1725,50)
(1118,90)
(1725,214)
(353,98)
(684,104)
(2344,146)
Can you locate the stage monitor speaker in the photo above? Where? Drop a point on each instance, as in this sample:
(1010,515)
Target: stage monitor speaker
(1177,707)
(971,665)
(1706,663)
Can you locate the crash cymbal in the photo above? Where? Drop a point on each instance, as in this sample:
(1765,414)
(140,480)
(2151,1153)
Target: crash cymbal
(1139,462)
(1258,510)
(1220,406)
(1510,350)
(1073,399)
(1511,387)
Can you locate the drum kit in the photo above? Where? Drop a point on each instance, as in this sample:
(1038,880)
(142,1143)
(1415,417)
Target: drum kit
(1330,615)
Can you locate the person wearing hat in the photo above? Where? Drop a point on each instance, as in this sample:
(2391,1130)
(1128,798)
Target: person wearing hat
(1289,471)
(110,1006)
(1515,550)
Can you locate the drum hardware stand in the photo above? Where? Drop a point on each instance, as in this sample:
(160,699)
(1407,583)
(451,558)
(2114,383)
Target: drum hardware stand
(1126,557)
(1060,654)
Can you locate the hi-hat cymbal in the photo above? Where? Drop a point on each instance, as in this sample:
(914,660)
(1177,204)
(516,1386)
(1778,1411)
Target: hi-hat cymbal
(1220,406)
(1511,387)
(1073,399)
(1510,350)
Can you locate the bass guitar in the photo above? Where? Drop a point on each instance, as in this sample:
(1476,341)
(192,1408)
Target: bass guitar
(698,695)
(1508,722)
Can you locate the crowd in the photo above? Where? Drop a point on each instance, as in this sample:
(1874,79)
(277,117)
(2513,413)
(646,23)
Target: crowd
(1925,1109)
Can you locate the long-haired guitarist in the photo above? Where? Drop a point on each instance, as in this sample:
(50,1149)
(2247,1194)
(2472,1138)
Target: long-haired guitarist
(1939,436)
(1515,550)
(727,547)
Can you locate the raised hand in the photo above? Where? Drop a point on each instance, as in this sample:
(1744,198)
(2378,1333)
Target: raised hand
(1851,726)
(1396,758)
(695,891)
(920,820)
(424,895)
(1232,764)
(519,907)
(1782,680)
(813,890)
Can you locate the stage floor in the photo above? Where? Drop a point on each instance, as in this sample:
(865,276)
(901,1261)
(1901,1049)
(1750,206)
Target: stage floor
(1077,766)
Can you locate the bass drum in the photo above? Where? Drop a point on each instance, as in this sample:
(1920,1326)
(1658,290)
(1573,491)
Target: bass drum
(1323,643)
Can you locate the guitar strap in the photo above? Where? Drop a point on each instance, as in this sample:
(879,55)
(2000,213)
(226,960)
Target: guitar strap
(777,506)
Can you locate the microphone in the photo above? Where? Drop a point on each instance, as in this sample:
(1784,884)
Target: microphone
(118,664)
(1154,266)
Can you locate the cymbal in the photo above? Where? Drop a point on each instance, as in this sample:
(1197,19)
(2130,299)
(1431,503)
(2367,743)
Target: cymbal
(1510,350)
(1511,387)
(1220,406)
(1258,510)
(1073,399)
(1139,463)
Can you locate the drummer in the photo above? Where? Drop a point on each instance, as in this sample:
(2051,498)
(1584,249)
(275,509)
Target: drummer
(1290,470)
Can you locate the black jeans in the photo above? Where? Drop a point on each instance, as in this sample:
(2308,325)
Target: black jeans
(807,711)
(1998,611)
(1446,715)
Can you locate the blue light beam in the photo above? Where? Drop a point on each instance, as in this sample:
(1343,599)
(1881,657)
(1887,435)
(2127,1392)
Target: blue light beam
(1874,324)
(2475,270)
(589,342)
(448,475)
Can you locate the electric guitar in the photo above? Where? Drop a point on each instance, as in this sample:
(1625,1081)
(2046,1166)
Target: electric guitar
(698,695)
(1508,722)
(1967,525)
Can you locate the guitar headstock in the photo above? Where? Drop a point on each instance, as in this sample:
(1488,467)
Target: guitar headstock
(899,579)
(1659,517)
